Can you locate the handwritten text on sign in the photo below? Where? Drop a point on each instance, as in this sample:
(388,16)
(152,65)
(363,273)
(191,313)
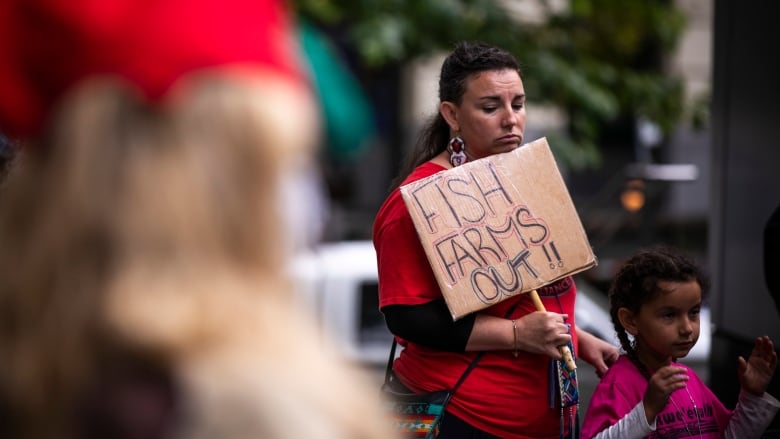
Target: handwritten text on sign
(497,227)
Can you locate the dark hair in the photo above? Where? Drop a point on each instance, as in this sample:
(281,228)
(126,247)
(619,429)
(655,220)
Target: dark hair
(467,59)
(637,283)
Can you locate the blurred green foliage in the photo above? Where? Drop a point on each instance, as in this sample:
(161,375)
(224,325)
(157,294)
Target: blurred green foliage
(599,60)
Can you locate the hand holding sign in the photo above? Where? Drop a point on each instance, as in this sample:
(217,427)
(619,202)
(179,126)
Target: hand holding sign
(497,227)
(565,351)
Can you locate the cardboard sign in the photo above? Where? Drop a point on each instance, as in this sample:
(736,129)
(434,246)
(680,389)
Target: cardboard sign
(497,227)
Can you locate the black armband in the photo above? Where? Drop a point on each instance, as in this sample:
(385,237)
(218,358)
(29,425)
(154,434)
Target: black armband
(429,325)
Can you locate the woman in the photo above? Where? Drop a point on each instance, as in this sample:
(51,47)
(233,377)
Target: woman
(481,113)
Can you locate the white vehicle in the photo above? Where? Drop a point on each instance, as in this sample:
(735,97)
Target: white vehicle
(338,284)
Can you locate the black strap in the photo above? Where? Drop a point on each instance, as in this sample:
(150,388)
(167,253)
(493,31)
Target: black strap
(390,361)
(466,372)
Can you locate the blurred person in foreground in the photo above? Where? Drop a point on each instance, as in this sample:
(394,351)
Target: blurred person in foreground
(7,154)
(507,395)
(142,292)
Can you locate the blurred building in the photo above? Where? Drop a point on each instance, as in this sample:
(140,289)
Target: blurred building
(745,184)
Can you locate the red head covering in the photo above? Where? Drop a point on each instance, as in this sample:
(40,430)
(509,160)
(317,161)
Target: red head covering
(47,46)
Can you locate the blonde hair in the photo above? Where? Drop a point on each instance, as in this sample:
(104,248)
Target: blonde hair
(154,229)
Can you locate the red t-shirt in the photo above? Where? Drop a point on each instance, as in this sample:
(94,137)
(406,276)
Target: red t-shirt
(504,396)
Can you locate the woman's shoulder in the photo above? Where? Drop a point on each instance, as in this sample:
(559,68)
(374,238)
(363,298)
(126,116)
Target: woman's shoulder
(393,208)
(424,170)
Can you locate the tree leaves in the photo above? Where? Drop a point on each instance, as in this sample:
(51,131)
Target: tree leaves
(599,60)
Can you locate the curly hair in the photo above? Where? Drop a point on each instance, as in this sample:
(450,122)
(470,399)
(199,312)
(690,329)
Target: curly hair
(637,283)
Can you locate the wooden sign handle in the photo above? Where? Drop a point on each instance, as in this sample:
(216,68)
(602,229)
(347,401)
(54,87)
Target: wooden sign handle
(565,351)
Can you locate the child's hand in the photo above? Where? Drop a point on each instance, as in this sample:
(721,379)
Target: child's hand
(661,385)
(755,373)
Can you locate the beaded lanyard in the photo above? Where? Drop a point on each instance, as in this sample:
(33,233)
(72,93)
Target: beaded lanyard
(564,392)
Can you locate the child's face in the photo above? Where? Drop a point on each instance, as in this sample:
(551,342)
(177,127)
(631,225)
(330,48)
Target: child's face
(668,326)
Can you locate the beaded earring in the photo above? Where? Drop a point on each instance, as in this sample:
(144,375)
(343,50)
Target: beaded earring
(457,150)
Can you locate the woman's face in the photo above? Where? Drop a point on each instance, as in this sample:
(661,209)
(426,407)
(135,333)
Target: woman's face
(491,117)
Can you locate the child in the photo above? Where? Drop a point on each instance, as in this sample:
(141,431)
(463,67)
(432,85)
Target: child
(656,297)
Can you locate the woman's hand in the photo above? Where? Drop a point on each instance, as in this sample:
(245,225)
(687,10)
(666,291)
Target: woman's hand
(755,373)
(660,387)
(543,332)
(596,352)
